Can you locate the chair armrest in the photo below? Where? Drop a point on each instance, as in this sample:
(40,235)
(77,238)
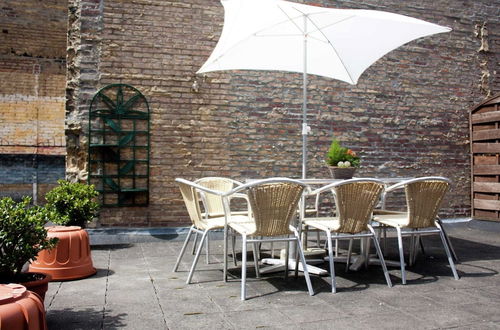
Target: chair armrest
(197,186)
(239,195)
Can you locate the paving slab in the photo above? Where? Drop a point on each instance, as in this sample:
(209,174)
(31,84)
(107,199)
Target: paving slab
(135,288)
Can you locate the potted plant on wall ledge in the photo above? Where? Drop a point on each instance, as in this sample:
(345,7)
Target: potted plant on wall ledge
(342,161)
(75,205)
(22,236)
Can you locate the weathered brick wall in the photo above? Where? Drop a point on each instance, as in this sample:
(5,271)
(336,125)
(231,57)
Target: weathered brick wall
(408,116)
(32,88)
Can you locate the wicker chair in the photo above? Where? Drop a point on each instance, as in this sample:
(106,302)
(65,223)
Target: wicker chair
(355,200)
(213,204)
(423,198)
(200,224)
(274,204)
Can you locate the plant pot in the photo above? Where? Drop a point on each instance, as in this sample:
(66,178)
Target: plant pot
(341,172)
(70,259)
(20,309)
(36,282)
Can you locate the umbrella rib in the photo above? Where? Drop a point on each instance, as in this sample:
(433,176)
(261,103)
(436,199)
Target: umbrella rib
(328,25)
(257,34)
(331,45)
(292,20)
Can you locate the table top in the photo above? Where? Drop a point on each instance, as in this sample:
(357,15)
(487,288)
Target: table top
(330,180)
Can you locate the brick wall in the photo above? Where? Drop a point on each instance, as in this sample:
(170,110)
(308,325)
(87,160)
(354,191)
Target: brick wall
(408,115)
(32,90)
(29,175)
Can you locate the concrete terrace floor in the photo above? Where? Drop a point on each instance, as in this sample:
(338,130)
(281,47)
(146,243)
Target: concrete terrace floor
(135,288)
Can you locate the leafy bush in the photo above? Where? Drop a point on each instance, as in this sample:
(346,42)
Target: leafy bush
(74,203)
(341,156)
(22,236)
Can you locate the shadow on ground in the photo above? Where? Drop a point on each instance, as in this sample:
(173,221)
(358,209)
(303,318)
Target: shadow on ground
(88,318)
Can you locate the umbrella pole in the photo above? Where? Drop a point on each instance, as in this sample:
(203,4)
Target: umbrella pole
(305,128)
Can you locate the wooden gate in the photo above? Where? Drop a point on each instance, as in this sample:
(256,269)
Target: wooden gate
(485,159)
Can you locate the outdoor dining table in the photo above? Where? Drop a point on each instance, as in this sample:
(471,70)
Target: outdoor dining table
(278,264)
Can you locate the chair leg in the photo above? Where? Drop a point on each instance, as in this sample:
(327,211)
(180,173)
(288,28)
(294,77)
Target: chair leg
(287,258)
(349,251)
(305,236)
(412,247)
(233,243)
(256,259)
(330,257)
(224,249)
(385,238)
(381,257)
(318,239)
(379,232)
(183,248)
(446,248)
(415,247)
(452,250)
(401,255)
(367,251)
(207,250)
(197,256)
(336,247)
(304,265)
(243,267)
(296,256)
(193,250)
(422,246)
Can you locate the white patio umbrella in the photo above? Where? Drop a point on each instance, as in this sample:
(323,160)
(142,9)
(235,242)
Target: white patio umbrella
(287,36)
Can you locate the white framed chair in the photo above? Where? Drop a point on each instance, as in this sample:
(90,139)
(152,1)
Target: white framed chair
(274,205)
(355,200)
(423,200)
(201,224)
(213,204)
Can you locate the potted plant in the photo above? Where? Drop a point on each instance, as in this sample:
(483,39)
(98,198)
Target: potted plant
(22,236)
(342,161)
(74,205)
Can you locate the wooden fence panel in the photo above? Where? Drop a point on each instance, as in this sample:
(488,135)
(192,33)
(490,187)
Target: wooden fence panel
(485,159)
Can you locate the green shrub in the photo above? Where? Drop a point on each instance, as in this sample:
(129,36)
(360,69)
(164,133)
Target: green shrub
(338,154)
(74,203)
(22,236)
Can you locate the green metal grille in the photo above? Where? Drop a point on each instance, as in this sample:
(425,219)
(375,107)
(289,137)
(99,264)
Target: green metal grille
(119,141)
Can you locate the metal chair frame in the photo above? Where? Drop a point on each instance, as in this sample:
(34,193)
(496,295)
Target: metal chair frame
(210,204)
(258,237)
(417,232)
(202,225)
(341,235)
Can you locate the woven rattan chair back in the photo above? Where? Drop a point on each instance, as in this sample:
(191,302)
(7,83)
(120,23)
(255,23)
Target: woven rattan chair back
(213,203)
(190,197)
(355,202)
(423,200)
(274,205)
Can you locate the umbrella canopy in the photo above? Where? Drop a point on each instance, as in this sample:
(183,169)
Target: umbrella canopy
(287,36)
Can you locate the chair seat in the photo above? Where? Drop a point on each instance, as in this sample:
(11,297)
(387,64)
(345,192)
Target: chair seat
(245,228)
(218,223)
(393,220)
(221,214)
(310,211)
(325,223)
(386,212)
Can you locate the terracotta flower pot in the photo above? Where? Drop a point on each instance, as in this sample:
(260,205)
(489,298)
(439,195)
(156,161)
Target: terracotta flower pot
(39,284)
(341,172)
(20,309)
(70,259)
